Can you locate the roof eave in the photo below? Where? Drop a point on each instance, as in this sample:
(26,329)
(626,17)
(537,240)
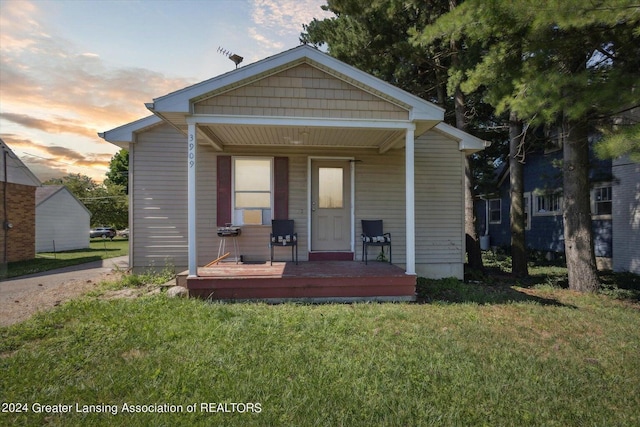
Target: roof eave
(30,176)
(124,135)
(467,143)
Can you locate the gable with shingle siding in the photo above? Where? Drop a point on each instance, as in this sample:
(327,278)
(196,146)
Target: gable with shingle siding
(301,91)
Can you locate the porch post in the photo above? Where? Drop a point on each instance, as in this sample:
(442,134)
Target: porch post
(410,200)
(191,199)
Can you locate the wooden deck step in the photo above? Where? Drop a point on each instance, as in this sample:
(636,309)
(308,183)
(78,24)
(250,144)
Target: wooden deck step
(313,280)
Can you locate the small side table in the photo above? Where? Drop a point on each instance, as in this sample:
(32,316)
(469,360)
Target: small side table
(224,233)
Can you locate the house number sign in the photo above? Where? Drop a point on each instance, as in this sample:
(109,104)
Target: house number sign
(192,151)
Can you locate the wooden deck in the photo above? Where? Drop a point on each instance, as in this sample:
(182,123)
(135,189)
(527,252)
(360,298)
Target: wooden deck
(313,281)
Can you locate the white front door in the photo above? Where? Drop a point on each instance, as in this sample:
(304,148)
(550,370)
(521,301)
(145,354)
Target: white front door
(330,205)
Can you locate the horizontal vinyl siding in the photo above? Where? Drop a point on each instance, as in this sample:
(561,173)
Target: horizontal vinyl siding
(380,194)
(439,201)
(61,222)
(159,214)
(160,197)
(206,207)
(626,216)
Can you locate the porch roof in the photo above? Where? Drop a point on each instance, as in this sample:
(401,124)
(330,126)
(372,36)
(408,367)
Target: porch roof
(302,113)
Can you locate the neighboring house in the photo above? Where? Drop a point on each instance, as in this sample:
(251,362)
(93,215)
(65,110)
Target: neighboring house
(626,215)
(615,209)
(303,136)
(62,221)
(17,195)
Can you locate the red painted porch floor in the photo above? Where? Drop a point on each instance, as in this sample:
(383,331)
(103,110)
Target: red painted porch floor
(311,280)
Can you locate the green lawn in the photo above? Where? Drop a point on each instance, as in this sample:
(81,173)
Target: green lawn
(44,261)
(475,354)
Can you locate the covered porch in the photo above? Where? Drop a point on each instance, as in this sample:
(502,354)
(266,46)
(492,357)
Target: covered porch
(309,281)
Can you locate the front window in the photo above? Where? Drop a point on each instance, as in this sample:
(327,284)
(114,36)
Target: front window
(252,190)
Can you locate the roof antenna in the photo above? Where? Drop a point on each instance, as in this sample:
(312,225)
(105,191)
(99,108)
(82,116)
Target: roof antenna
(232,56)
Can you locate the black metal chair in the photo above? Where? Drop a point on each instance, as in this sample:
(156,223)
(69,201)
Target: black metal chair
(373,235)
(282,234)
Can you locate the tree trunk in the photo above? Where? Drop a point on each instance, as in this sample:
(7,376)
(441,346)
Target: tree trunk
(516,212)
(472,243)
(578,235)
(474,255)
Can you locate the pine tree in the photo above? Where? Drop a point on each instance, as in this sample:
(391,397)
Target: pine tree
(571,63)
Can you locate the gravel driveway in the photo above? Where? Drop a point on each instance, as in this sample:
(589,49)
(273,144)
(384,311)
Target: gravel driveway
(22,297)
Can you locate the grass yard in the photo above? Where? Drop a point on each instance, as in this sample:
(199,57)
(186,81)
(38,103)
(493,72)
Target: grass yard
(44,261)
(475,355)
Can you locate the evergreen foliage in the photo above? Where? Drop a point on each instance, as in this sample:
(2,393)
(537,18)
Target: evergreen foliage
(571,64)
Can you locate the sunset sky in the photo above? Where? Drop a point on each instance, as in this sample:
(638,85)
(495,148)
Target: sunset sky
(70,68)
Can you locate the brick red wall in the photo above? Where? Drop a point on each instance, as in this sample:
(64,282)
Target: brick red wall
(21,212)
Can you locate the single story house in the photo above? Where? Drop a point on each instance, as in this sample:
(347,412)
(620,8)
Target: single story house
(299,135)
(62,221)
(17,195)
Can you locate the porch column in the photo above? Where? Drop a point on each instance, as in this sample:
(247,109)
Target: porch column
(191,199)
(410,200)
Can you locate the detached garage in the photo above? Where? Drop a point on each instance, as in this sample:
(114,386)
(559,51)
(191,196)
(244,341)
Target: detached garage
(62,221)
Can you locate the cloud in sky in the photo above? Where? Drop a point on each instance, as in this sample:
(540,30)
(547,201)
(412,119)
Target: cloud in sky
(58,91)
(286,16)
(49,87)
(277,18)
(59,125)
(47,161)
(41,70)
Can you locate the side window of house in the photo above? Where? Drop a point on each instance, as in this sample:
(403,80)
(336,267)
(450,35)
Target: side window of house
(495,211)
(601,198)
(548,204)
(252,190)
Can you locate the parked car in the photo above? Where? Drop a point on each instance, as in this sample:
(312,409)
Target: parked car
(124,233)
(104,232)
